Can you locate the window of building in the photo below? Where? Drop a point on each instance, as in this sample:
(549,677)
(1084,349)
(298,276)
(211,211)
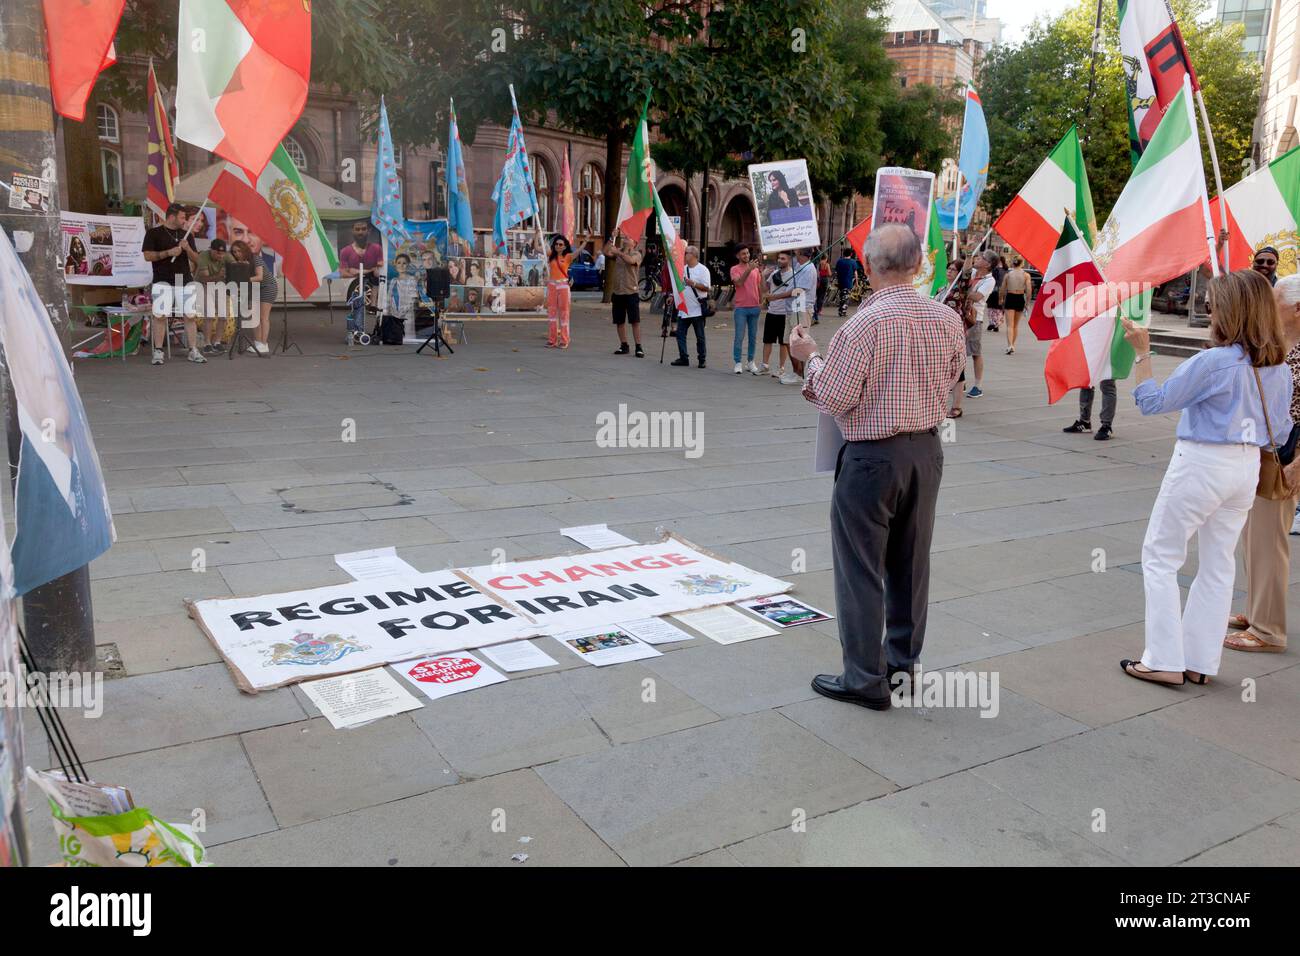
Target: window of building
(110,167)
(591,205)
(297,155)
(106,120)
(542,186)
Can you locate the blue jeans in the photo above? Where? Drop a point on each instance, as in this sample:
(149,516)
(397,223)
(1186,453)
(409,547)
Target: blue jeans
(685,324)
(745,318)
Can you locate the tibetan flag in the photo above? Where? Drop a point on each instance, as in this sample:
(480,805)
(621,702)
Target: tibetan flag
(639,197)
(276,207)
(1070,271)
(79,40)
(1160,226)
(1264,210)
(515,193)
(386,199)
(674,247)
(1032,222)
(568,218)
(460,215)
(162,169)
(933,276)
(973,163)
(242,72)
(1155,65)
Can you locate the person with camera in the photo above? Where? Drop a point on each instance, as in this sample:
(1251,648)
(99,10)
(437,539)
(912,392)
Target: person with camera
(699,282)
(779,297)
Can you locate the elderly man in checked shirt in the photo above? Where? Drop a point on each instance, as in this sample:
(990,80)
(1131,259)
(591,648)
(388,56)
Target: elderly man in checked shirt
(886,378)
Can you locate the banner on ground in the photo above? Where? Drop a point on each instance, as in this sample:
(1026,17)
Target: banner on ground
(783,201)
(103,250)
(904,197)
(277,639)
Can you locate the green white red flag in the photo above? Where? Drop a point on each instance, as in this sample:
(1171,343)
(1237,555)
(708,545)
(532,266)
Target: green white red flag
(1032,222)
(277,208)
(1264,210)
(1070,271)
(674,247)
(1160,228)
(242,72)
(639,198)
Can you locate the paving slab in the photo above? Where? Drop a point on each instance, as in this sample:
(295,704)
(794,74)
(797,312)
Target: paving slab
(959,820)
(504,727)
(667,798)
(631,702)
(1166,795)
(311,771)
(161,642)
(478,823)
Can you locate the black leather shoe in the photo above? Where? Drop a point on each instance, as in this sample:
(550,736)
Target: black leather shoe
(622,349)
(829,685)
(640,352)
(1103,434)
(680,363)
(1077,428)
(701,365)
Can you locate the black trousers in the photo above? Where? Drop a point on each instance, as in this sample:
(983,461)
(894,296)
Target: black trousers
(1109,400)
(882,523)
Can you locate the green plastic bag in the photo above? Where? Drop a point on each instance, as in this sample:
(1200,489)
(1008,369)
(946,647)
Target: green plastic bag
(134,838)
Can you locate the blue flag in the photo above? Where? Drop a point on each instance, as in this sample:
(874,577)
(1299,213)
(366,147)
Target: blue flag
(460,217)
(974,165)
(515,194)
(386,206)
(61,511)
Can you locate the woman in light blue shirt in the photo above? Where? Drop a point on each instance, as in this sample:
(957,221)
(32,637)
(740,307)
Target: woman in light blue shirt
(1231,396)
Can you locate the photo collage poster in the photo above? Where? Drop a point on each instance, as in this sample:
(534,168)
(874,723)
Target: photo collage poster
(485,284)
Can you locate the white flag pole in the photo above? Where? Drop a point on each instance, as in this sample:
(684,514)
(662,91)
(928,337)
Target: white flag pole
(956,199)
(1218,184)
(189,227)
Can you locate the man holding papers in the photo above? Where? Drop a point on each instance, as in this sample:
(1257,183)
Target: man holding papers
(886,378)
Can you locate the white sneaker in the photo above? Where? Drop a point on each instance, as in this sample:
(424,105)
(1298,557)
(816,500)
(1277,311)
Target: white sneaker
(778,373)
(261,348)
(739,368)
(157,357)
(753,367)
(196,357)
(763,370)
(1295,524)
(789,378)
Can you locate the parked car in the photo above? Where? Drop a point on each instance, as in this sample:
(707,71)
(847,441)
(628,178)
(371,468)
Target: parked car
(584,275)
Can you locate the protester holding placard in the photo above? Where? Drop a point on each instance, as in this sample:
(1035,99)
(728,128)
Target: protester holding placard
(885,379)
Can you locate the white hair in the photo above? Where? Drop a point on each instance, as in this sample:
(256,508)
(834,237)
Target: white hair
(1287,290)
(893,249)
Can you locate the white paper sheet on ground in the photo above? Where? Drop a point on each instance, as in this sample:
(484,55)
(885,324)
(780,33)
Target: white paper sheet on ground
(439,677)
(725,624)
(610,645)
(656,630)
(375,563)
(517,656)
(596,536)
(830,440)
(784,611)
(353,700)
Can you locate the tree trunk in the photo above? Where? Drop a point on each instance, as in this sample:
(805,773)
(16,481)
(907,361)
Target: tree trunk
(58,615)
(704,219)
(613,193)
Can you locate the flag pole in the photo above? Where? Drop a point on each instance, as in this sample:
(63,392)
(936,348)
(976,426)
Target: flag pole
(189,226)
(1218,180)
(956,199)
(1092,74)
(447,173)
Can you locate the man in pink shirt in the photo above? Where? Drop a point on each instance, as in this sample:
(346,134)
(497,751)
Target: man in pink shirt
(360,254)
(747,277)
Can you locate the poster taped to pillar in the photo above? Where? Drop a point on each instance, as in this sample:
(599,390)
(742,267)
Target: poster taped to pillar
(903,198)
(277,639)
(103,250)
(784,204)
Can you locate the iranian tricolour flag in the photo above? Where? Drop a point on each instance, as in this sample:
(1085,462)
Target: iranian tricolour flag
(1160,228)
(1033,221)
(1070,271)
(277,208)
(639,198)
(1264,210)
(242,72)
(674,253)
(933,275)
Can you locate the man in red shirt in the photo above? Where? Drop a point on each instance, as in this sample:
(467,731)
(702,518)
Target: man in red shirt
(886,378)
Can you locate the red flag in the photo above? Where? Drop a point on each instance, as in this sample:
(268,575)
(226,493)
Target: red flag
(857,237)
(79,39)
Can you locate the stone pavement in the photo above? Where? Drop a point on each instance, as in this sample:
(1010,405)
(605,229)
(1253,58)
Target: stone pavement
(495,448)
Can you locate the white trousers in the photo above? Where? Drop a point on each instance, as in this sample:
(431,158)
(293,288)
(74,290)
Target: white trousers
(1208,491)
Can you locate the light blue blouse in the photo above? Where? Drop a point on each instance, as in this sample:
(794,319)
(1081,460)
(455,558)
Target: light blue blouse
(1216,392)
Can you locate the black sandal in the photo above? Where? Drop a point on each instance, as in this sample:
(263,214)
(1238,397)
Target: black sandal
(1194,678)
(1149,675)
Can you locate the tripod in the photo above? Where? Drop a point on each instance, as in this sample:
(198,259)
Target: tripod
(435,336)
(666,329)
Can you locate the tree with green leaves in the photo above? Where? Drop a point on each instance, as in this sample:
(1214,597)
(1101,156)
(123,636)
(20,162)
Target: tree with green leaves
(1034,91)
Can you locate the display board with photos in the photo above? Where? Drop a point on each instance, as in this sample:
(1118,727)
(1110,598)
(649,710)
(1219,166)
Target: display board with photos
(486,284)
(103,250)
